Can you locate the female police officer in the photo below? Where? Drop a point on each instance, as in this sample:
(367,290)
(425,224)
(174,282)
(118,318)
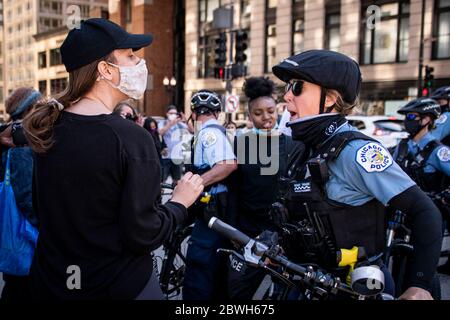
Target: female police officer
(322,87)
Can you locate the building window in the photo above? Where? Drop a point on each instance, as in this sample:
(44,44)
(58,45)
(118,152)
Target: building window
(55,57)
(298,26)
(104,14)
(127,10)
(43,87)
(207,38)
(10,30)
(441,30)
(246,9)
(42,60)
(85,11)
(1,93)
(271,35)
(387,41)
(332,25)
(207,56)
(19,9)
(57,85)
(206,9)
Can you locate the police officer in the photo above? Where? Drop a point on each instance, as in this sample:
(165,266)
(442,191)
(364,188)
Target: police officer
(442,130)
(212,158)
(350,177)
(422,156)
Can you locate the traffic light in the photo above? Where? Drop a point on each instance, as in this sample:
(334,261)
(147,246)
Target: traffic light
(428,81)
(221,56)
(241,46)
(221,50)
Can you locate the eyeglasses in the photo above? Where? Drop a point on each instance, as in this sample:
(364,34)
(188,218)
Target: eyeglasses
(411,116)
(296,86)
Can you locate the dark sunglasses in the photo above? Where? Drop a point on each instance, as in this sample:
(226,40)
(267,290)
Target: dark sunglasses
(411,116)
(296,86)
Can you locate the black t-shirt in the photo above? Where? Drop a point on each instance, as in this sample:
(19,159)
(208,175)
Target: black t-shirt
(261,161)
(95,194)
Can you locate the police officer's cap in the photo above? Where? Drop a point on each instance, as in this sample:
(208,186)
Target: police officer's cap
(205,100)
(422,106)
(441,93)
(328,69)
(96,38)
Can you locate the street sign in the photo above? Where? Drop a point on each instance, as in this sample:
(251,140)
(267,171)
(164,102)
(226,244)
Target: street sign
(231,103)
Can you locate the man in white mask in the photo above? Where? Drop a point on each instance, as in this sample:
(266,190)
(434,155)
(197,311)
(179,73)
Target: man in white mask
(172,130)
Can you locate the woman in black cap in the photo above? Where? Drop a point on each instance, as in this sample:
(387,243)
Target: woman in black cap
(97,177)
(350,177)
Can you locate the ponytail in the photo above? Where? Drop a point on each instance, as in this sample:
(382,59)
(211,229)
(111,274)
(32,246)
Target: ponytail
(38,124)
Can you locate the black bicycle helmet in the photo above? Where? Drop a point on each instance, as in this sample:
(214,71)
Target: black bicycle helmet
(422,106)
(328,69)
(441,93)
(205,101)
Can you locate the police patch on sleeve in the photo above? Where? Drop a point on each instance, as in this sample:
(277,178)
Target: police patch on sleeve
(441,119)
(444,154)
(373,157)
(209,139)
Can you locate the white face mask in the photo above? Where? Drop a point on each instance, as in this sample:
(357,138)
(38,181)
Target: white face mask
(133,79)
(171,117)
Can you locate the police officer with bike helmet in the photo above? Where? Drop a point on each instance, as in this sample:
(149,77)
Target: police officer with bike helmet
(212,157)
(423,157)
(350,177)
(442,130)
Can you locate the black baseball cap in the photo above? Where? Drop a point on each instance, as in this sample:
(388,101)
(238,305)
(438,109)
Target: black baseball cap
(96,38)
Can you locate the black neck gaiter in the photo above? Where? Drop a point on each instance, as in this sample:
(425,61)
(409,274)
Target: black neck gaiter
(315,131)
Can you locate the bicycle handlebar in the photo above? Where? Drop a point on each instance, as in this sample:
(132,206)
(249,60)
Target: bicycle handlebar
(228,231)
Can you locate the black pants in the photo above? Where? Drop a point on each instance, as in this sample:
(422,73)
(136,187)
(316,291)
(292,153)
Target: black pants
(17,288)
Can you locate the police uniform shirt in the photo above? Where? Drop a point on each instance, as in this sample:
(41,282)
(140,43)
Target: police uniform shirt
(439,159)
(210,147)
(442,126)
(363,171)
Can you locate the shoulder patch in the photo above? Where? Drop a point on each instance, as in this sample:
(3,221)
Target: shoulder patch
(444,154)
(441,119)
(373,157)
(209,139)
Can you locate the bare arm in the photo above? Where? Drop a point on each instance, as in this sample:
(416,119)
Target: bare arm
(164,129)
(220,171)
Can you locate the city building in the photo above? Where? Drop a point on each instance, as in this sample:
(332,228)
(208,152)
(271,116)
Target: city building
(2,87)
(383,36)
(27,21)
(165,57)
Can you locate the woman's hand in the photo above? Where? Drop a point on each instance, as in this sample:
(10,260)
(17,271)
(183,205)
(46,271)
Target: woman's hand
(415,293)
(188,189)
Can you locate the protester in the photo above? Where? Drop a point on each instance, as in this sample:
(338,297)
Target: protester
(21,167)
(172,130)
(97,177)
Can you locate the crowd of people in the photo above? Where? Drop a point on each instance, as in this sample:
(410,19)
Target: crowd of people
(84,170)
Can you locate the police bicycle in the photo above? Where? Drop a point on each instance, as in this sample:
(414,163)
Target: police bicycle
(173,262)
(310,281)
(399,249)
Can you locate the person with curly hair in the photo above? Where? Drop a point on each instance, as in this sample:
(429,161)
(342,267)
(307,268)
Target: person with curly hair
(262,159)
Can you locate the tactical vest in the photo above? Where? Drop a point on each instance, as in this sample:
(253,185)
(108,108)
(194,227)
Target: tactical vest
(414,166)
(320,226)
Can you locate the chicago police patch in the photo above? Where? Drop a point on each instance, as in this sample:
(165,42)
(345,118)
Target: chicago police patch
(373,157)
(209,139)
(441,119)
(444,154)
